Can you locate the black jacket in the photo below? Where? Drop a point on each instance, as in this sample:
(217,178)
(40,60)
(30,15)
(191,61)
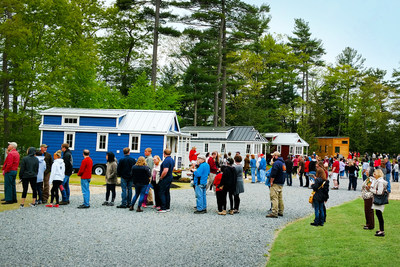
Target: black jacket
(125,167)
(141,175)
(289,166)
(229,179)
(321,194)
(67,157)
(312,167)
(29,165)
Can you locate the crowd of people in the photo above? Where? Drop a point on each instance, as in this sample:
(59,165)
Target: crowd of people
(222,175)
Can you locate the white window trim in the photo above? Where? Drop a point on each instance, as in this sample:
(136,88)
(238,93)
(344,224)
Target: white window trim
(300,148)
(248,145)
(73,139)
(130,142)
(221,148)
(279,148)
(70,124)
(98,142)
(208,147)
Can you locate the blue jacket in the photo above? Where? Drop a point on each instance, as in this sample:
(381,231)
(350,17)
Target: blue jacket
(125,166)
(277,171)
(263,164)
(201,174)
(253,163)
(388,167)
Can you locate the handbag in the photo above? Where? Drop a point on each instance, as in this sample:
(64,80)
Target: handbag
(311,198)
(381,199)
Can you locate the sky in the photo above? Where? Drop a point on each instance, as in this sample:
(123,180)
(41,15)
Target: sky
(369,26)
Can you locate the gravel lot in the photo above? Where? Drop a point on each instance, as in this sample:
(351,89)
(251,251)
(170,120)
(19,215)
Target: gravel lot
(102,236)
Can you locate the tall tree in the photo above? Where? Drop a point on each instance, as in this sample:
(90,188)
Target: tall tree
(309,51)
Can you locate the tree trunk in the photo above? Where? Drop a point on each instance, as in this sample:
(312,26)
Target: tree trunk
(6,88)
(195,109)
(223,93)
(155,45)
(307,91)
(219,70)
(302,97)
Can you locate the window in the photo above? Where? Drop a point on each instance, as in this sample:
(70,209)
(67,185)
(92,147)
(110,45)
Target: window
(205,147)
(337,149)
(187,146)
(326,149)
(320,148)
(299,150)
(279,149)
(70,121)
(223,148)
(193,135)
(345,142)
(248,149)
(291,150)
(69,138)
(102,142)
(134,143)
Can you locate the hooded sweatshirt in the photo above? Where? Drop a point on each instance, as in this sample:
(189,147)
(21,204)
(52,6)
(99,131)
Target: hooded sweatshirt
(57,171)
(29,165)
(42,168)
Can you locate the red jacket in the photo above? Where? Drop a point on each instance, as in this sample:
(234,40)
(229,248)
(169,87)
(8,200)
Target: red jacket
(192,155)
(306,165)
(217,181)
(12,161)
(213,166)
(85,171)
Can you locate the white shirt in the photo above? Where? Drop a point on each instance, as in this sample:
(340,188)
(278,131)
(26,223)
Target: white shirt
(57,171)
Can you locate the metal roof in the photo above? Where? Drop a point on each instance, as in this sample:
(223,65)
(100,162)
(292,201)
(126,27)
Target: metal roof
(133,121)
(292,139)
(237,133)
(205,129)
(332,137)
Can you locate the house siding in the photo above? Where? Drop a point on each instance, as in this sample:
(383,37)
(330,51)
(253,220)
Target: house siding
(102,122)
(53,140)
(52,120)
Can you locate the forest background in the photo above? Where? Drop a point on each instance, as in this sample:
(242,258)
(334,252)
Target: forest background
(212,61)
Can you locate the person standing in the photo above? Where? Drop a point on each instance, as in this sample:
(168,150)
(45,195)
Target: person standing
(213,171)
(85,172)
(200,183)
(253,167)
(49,161)
(155,179)
(295,164)
(395,171)
(40,176)
(28,174)
(67,157)
(335,173)
(368,197)
(124,171)
(246,166)
(239,186)
(148,199)
(10,169)
(111,178)
(167,166)
(320,197)
(365,167)
(289,167)
(388,166)
(300,170)
(353,168)
(277,181)
(193,156)
(378,187)
(57,175)
(263,168)
(141,178)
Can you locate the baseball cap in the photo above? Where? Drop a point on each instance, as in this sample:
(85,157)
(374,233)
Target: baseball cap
(13,144)
(44,145)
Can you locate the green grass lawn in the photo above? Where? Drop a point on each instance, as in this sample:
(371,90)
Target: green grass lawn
(341,242)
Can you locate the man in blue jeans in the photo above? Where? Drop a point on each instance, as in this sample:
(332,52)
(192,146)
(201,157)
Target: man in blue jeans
(10,169)
(200,184)
(124,171)
(67,157)
(388,174)
(85,172)
(167,166)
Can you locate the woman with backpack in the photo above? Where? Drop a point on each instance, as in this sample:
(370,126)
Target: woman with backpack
(321,189)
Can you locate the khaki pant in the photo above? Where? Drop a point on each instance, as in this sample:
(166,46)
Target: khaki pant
(210,182)
(275,193)
(46,187)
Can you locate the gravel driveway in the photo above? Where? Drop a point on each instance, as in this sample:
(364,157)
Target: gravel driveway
(102,236)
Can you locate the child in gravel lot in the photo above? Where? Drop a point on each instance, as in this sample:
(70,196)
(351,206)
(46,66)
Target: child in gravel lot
(56,178)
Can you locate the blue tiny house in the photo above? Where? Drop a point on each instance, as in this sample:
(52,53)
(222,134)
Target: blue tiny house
(103,130)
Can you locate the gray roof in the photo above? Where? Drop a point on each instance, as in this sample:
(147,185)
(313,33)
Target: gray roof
(237,133)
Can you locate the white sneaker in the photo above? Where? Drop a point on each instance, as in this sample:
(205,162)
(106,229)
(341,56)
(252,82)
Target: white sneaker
(161,211)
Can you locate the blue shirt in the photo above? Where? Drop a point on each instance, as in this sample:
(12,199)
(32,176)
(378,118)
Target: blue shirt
(167,163)
(263,164)
(201,174)
(253,163)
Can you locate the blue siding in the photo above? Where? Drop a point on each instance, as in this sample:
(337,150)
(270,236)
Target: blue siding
(91,121)
(116,142)
(54,140)
(53,120)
